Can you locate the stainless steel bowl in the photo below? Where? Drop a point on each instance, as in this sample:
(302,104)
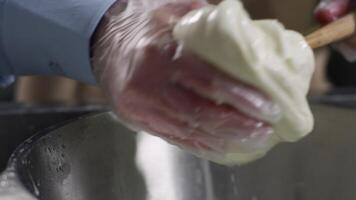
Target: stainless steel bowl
(96,158)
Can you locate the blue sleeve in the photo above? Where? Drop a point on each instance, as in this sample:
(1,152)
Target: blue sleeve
(50,37)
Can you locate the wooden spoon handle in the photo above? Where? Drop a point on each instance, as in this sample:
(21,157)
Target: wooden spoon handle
(333,32)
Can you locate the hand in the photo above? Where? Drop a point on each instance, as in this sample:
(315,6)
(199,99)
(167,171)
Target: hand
(330,10)
(157,86)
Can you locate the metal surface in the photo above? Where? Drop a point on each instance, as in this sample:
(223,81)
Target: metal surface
(19,122)
(96,158)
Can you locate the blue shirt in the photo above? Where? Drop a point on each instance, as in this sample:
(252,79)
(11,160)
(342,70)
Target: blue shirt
(50,37)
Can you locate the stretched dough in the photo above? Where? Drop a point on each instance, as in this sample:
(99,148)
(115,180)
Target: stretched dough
(261,53)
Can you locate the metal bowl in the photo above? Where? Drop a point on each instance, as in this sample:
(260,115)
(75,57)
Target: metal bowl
(96,158)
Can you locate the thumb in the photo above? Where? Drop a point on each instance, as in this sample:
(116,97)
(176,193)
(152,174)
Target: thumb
(330,10)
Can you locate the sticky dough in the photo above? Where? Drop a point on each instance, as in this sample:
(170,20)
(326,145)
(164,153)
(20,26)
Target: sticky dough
(261,53)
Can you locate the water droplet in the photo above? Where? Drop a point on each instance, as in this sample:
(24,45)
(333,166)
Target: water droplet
(3,183)
(36,191)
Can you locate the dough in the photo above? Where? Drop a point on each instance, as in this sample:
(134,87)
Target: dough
(261,53)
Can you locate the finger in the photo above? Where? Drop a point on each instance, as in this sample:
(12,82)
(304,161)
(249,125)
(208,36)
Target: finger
(214,139)
(154,117)
(330,10)
(208,82)
(217,120)
(192,111)
(240,132)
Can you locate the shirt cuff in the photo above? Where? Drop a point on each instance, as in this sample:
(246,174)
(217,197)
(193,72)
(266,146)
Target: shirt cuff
(51,37)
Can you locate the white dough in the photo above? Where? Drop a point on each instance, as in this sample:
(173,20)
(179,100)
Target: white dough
(261,53)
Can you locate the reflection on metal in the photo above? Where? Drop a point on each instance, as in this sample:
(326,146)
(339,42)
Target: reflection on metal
(96,158)
(157,161)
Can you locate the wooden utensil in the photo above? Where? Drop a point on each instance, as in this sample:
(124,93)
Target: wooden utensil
(333,32)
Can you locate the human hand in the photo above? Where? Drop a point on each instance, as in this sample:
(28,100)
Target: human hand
(157,86)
